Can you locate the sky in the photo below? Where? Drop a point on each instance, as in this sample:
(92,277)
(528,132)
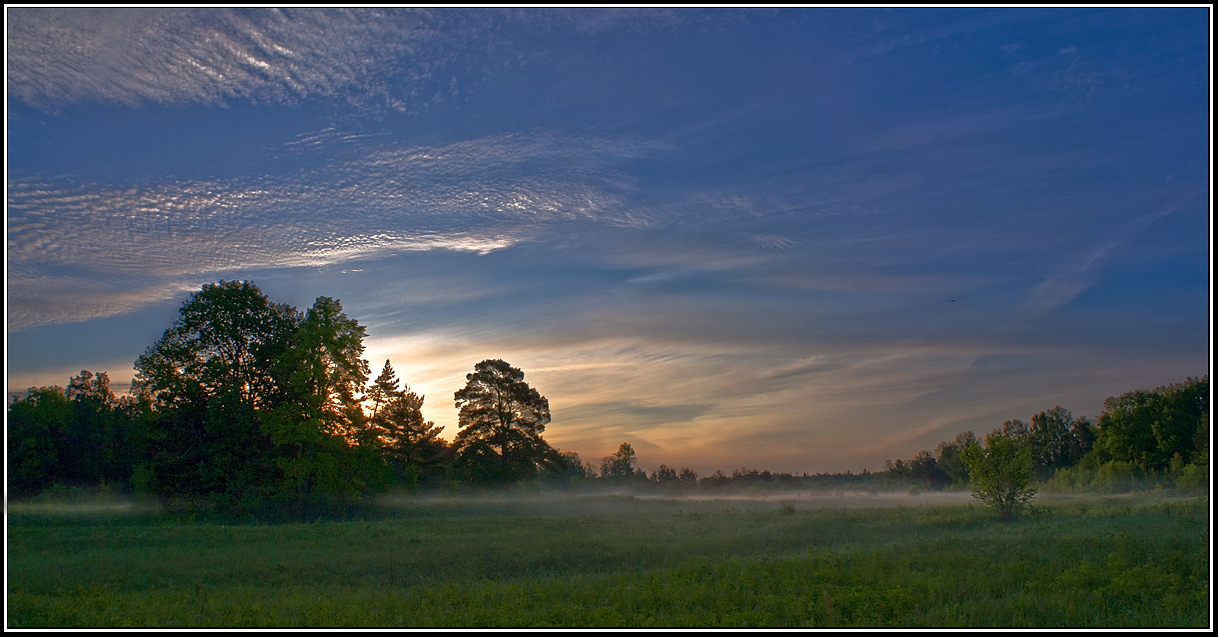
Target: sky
(799,240)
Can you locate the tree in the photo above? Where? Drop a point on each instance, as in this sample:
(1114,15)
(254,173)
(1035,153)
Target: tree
(323,443)
(664,475)
(1001,474)
(411,443)
(502,420)
(37,424)
(210,376)
(570,474)
(948,458)
(924,470)
(619,465)
(382,388)
(1149,427)
(688,476)
(1058,440)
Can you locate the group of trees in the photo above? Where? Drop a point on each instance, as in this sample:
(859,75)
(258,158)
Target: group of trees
(1158,436)
(243,401)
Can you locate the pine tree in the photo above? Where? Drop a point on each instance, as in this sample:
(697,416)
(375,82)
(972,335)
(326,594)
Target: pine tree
(382,388)
(410,443)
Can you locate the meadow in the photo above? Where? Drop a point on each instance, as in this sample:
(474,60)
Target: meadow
(568,560)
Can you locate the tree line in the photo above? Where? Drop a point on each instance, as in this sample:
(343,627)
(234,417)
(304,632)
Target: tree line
(1154,437)
(244,403)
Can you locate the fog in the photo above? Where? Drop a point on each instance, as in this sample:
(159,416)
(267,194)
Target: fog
(550,503)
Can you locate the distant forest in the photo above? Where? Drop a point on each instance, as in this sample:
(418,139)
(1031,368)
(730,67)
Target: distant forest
(246,405)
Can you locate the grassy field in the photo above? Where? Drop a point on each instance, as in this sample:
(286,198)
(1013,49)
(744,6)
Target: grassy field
(615,561)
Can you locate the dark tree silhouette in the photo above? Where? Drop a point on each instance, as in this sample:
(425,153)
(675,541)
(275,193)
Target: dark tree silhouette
(411,443)
(502,420)
(382,388)
(209,376)
(36,427)
(621,464)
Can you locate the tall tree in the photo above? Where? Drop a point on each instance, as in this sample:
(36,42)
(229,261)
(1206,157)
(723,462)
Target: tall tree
(1058,440)
(209,376)
(948,458)
(1149,427)
(411,443)
(385,385)
(502,420)
(323,443)
(37,425)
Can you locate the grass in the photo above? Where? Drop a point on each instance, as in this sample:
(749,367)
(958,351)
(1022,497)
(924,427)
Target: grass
(605,561)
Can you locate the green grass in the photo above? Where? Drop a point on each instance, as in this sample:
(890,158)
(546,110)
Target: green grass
(607,561)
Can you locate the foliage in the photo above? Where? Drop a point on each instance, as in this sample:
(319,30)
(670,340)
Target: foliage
(502,419)
(37,425)
(210,377)
(323,443)
(411,443)
(1148,428)
(620,465)
(1001,474)
(79,436)
(1058,440)
(948,459)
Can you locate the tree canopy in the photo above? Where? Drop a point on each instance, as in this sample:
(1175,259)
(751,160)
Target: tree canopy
(502,419)
(1001,473)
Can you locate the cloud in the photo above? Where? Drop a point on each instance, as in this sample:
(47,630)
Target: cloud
(373,199)
(210,56)
(1072,280)
(42,300)
(384,59)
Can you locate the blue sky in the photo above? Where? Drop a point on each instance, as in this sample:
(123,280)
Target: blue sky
(796,240)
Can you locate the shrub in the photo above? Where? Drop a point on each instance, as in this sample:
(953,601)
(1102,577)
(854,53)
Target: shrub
(1000,474)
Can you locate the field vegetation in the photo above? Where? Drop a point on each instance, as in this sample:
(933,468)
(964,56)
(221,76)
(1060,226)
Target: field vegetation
(529,559)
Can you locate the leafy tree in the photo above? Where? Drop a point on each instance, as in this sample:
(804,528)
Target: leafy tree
(923,470)
(948,458)
(36,427)
(91,388)
(619,465)
(96,443)
(688,476)
(1149,427)
(323,443)
(80,436)
(209,376)
(1016,429)
(1058,440)
(571,473)
(502,419)
(1001,474)
(664,475)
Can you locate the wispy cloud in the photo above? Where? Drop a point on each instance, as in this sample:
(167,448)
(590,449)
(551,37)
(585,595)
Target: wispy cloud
(375,199)
(394,59)
(210,56)
(1073,279)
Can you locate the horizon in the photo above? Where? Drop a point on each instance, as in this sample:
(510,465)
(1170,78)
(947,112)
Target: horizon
(797,240)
